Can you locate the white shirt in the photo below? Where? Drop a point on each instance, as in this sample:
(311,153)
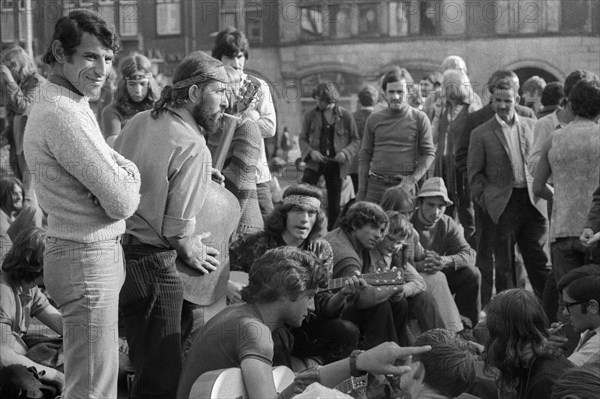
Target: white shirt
(511,133)
(589,349)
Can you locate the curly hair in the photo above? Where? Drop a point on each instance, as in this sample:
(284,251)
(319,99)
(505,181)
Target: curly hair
(69,30)
(7,187)
(585,98)
(128,67)
(277,221)
(516,323)
(25,260)
(283,272)
(449,365)
(363,213)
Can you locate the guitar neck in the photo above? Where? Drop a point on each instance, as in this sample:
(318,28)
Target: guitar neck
(375,279)
(229,124)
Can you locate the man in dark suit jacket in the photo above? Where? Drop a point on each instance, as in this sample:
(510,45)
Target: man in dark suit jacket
(485,228)
(502,186)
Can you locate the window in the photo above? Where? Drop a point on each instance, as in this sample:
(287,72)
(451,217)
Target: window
(341,24)
(8,20)
(106,8)
(168,17)
(128,18)
(368,19)
(228,19)
(431,17)
(576,15)
(311,22)
(253,21)
(399,13)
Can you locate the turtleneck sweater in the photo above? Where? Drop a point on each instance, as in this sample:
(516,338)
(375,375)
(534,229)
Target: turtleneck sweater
(395,141)
(71,162)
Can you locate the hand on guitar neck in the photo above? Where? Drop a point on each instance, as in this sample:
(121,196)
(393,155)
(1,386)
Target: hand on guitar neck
(195,254)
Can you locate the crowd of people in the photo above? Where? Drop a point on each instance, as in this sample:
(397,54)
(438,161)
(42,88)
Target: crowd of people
(467,265)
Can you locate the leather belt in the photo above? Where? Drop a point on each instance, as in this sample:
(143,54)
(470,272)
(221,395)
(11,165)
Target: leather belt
(386,179)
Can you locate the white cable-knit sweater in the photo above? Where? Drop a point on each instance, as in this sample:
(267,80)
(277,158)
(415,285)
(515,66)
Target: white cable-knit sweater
(69,159)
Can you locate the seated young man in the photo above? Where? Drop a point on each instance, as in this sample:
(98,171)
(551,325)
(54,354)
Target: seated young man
(378,318)
(446,371)
(403,201)
(446,249)
(391,252)
(581,295)
(20,300)
(282,284)
(299,221)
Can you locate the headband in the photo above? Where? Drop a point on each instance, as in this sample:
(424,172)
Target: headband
(303,201)
(217,74)
(138,77)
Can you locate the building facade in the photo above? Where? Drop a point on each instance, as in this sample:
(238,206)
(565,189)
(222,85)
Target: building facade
(297,43)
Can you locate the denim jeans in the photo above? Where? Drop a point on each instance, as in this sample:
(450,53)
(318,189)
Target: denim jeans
(333,183)
(85,279)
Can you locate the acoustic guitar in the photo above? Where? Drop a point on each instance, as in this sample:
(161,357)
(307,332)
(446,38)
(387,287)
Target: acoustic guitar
(389,278)
(229,383)
(219,216)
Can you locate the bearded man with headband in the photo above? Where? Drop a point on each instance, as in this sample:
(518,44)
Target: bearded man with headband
(167,145)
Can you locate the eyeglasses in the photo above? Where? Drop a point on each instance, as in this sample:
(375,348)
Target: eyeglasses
(569,304)
(394,241)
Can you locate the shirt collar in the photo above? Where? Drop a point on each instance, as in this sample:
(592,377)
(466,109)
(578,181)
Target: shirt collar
(504,124)
(184,114)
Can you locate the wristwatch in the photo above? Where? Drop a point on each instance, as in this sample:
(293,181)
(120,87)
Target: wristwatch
(354,371)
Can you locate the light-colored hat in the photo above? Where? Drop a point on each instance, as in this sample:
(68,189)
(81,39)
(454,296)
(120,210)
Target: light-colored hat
(435,187)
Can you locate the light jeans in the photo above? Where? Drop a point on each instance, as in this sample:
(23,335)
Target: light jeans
(437,286)
(85,279)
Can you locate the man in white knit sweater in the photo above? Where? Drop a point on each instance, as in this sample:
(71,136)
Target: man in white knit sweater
(87,190)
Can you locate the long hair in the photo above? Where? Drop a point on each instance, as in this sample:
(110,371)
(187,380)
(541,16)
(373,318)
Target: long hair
(456,87)
(395,198)
(277,221)
(197,64)
(7,187)
(128,67)
(517,327)
(26,67)
(25,260)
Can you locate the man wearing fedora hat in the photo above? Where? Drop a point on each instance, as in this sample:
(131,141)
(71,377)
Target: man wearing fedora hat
(446,249)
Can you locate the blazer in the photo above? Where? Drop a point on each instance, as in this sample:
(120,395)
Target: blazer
(489,165)
(474,120)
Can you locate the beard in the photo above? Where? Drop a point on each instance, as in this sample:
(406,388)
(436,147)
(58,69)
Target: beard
(209,122)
